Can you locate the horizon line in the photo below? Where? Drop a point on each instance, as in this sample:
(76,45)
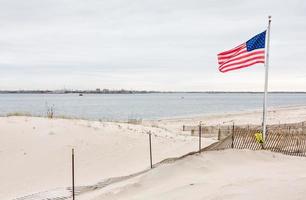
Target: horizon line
(133,91)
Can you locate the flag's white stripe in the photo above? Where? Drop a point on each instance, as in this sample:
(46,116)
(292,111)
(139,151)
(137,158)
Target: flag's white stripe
(257,52)
(239,65)
(232,53)
(226,58)
(239,55)
(242,62)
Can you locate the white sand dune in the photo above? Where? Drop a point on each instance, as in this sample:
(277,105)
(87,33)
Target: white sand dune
(229,174)
(35,152)
(35,155)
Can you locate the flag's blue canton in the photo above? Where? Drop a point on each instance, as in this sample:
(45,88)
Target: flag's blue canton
(256,42)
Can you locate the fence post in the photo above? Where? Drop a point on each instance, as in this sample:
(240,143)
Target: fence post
(72,160)
(150,143)
(200,135)
(263,145)
(219,134)
(233,130)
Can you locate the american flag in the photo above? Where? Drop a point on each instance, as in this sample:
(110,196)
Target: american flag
(244,55)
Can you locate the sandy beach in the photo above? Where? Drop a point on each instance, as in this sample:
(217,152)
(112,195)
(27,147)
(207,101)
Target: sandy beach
(277,115)
(35,156)
(35,152)
(229,174)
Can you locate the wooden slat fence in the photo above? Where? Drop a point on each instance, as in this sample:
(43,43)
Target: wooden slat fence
(290,142)
(222,131)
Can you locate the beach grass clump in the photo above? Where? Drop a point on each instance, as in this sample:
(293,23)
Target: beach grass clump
(11,114)
(50,111)
(134,121)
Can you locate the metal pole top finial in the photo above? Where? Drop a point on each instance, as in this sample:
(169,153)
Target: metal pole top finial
(270,17)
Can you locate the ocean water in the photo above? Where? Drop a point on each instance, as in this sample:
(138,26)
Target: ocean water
(142,106)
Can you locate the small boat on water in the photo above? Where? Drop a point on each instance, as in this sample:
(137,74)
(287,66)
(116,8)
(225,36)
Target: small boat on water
(80,94)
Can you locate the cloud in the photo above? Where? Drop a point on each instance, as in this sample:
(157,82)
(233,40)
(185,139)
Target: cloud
(145,44)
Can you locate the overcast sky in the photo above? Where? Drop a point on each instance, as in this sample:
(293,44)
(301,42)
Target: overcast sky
(151,45)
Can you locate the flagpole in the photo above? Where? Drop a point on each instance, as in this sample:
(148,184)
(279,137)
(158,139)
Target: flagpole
(264,118)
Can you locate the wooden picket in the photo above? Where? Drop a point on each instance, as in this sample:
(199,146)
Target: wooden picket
(286,141)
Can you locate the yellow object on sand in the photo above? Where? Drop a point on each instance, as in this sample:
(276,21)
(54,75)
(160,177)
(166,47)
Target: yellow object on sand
(259,137)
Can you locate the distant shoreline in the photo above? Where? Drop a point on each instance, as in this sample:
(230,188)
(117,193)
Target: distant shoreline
(106,91)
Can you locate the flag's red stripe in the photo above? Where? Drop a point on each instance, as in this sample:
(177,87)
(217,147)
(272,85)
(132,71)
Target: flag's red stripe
(232,50)
(241,66)
(242,62)
(226,68)
(243,56)
(241,51)
(232,53)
